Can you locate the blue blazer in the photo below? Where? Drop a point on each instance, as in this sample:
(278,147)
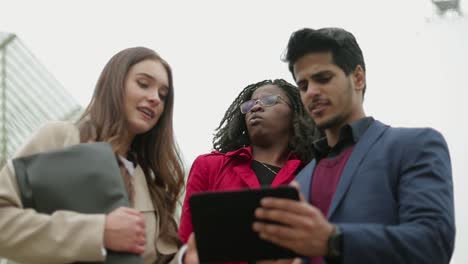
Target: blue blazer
(394,200)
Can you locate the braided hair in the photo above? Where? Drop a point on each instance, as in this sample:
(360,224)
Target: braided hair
(232,134)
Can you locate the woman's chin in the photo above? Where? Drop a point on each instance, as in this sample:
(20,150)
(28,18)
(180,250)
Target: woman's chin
(138,128)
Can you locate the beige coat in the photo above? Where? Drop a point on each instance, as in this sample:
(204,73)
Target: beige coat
(63,237)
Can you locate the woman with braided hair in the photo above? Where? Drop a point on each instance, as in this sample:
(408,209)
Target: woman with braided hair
(264,138)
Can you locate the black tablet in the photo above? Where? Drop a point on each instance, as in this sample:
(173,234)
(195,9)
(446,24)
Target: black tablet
(222,222)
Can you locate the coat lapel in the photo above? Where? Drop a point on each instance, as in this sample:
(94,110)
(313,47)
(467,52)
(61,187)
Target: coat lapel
(374,131)
(304,178)
(286,174)
(246,175)
(142,198)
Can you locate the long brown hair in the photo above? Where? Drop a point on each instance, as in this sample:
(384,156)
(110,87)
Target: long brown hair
(155,151)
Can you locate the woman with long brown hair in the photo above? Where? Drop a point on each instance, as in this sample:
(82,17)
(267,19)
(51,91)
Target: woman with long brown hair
(132,109)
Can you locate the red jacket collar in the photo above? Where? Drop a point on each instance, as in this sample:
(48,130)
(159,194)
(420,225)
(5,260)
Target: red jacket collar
(246,153)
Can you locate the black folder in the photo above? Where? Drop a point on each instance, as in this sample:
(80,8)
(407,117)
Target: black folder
(83,178)
(222,223)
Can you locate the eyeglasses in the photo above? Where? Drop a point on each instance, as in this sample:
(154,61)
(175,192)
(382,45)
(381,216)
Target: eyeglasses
(269,100)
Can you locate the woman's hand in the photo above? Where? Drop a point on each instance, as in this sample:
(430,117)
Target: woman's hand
(125,231)
(191,255)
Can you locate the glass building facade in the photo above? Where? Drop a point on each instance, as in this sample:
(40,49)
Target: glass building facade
(29,95)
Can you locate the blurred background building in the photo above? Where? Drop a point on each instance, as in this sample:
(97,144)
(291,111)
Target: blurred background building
(444,6)
(29,95)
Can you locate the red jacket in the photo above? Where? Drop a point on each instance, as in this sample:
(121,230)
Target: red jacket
(227,171)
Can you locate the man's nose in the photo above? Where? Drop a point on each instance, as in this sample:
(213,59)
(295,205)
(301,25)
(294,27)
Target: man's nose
(312,90)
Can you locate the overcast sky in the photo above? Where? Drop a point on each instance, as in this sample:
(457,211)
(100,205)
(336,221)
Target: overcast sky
(416,62)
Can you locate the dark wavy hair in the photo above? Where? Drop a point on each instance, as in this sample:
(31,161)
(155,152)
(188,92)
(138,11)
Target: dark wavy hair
(345,50)
(232,134)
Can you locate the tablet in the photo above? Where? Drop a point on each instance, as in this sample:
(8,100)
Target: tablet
(222,222)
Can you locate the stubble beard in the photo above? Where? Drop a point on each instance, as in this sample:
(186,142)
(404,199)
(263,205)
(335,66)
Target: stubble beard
(339,119)
(333,122)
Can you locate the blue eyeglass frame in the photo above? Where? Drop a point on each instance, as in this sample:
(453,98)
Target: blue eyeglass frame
(246,106)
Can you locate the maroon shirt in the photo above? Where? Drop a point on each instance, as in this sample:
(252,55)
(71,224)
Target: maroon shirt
(330,164)
(324,182)
(326,177)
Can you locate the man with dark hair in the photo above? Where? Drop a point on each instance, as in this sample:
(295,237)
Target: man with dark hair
(374,193)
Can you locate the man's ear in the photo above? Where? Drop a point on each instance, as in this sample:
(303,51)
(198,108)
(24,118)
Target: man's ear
(359,78)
